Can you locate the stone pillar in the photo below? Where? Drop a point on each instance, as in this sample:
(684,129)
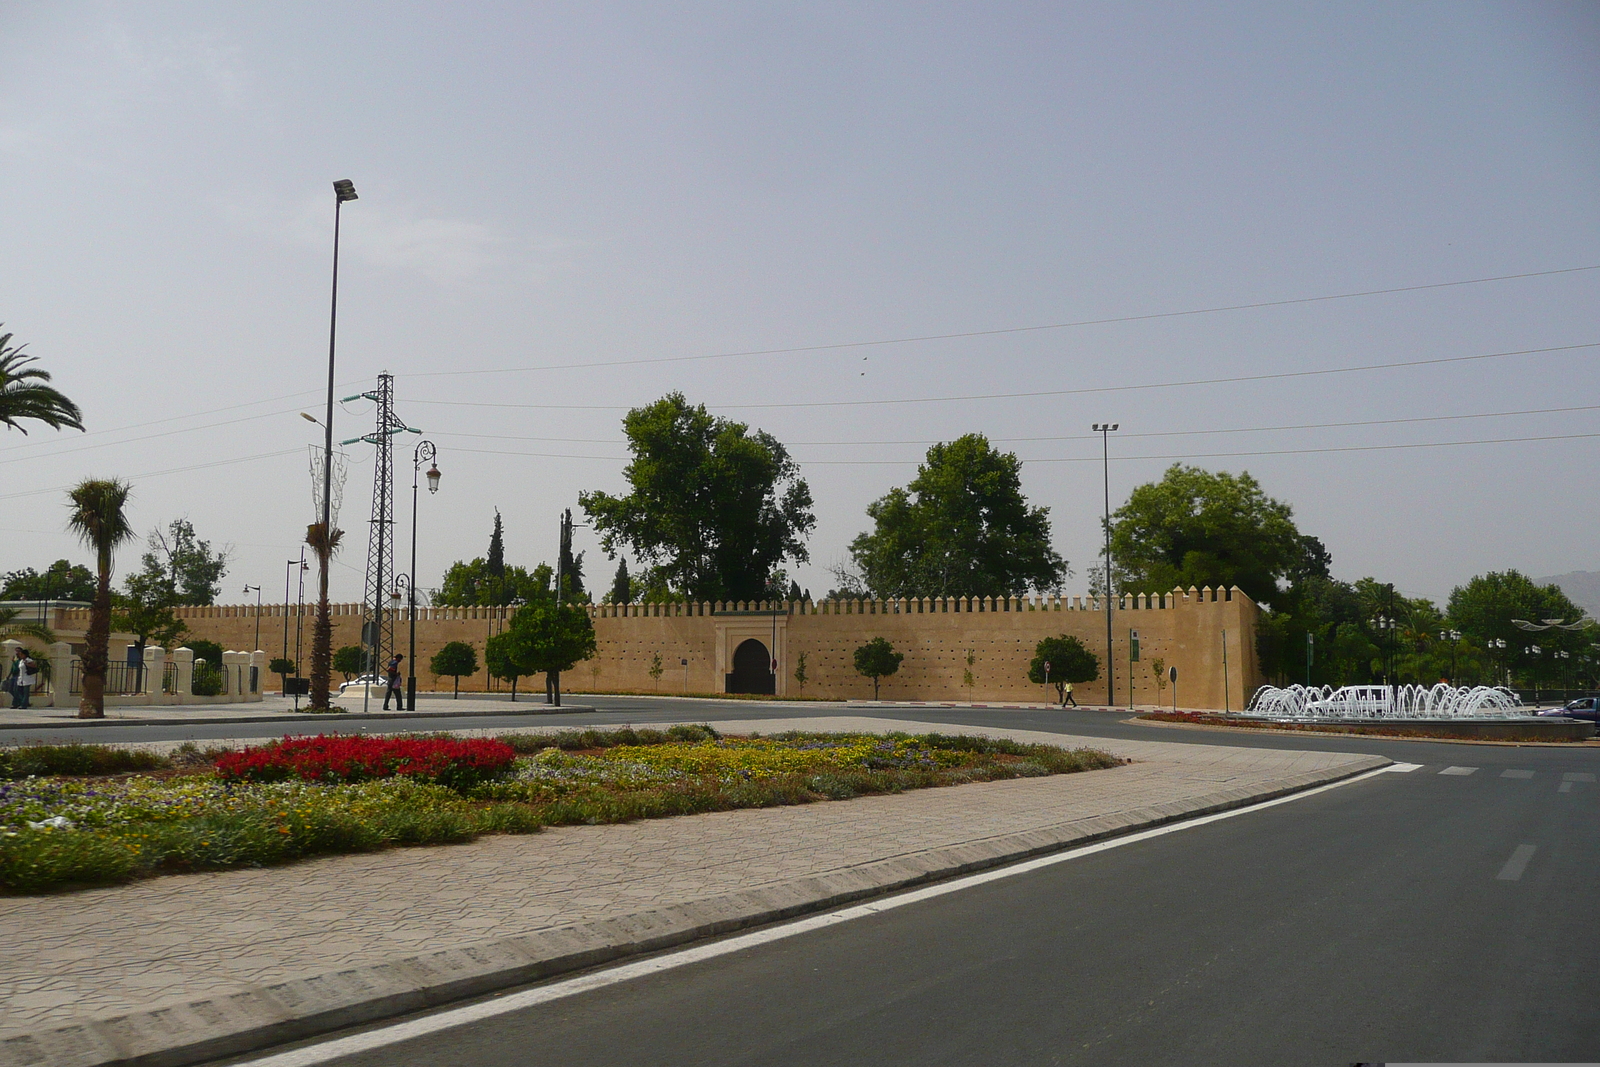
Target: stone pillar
(155,664)
(233,664)
(60,657)
(258,664)
(184,658)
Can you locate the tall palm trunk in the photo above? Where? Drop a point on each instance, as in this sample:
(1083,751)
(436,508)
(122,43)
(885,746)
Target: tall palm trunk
(96,644)
(322,633)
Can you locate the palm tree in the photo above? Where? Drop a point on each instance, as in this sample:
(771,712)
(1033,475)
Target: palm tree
(99,520)
(23,394)
(322,633)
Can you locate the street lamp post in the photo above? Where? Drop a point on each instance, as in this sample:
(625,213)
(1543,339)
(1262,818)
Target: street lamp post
(1105,429)
(425,451)
(248,589)
(1452,636)
(1495,644)
(322,640)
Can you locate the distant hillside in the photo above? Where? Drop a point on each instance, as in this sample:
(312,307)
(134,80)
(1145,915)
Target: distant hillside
(1581,587)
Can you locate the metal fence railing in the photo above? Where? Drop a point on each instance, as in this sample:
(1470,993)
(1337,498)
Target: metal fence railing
(121,679)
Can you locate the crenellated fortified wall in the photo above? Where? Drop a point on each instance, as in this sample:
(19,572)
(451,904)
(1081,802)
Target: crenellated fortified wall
(956,648)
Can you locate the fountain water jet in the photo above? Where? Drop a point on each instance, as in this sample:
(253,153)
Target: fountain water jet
(1441,701)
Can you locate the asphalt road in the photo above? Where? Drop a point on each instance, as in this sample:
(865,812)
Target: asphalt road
(1422,916)
(617,711)
(1440,915)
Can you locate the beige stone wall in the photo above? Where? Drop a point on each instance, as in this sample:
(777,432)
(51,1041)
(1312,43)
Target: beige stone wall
(1184,628)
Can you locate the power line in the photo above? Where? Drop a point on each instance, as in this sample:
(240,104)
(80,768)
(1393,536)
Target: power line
(1188,384)
(1023,440)
(1148,317)
(161,473)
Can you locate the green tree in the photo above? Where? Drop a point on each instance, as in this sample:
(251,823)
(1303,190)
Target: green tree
(60,581)
(207,681)
(1483,610)
(1069,662)
(24,394)
(455,659)
(559,637)
(99,517)
(508,657)
(1198,528)
(656,669)
(877,659)
(282,668)
(621,585)
(960,528)
(194,572)
(350,661)
(800,675)
(714,506)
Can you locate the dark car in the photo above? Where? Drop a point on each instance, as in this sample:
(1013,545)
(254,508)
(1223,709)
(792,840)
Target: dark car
(1582,708)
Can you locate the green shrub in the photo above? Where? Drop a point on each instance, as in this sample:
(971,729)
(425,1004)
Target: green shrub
(76,759)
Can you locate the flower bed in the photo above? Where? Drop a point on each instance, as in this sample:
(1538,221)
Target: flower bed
(344,758)
(307,796)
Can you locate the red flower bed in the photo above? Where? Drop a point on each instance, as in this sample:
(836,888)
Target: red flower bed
(356,759)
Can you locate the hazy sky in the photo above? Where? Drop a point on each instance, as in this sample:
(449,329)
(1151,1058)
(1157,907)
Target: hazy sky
(555,195)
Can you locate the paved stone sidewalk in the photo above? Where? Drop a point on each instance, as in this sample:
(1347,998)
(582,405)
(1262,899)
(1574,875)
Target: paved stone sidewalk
(227,949)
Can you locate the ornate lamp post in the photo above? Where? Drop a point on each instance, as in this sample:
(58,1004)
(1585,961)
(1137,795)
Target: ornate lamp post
(425,451)
(1452,636)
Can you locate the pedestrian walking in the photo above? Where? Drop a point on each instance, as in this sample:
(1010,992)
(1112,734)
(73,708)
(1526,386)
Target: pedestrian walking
(392,676)
(25,673)
(1066,696)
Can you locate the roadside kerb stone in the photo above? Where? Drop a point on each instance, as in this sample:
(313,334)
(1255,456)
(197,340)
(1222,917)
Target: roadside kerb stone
(239,1012)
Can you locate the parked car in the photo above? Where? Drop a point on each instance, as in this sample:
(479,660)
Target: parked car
(1583,708)
(371,680)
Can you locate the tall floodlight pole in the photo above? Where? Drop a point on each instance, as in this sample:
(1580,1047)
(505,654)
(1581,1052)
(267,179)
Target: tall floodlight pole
(322,640)
(1105,429)
(248,589)
(425,451)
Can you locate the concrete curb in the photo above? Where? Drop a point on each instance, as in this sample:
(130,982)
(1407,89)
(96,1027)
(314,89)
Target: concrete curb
(349,716)
(258,1016)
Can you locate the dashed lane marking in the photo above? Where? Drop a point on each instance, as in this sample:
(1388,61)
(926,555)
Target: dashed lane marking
(1459,770)
(1512,871)
(1577,776)
(1402,768)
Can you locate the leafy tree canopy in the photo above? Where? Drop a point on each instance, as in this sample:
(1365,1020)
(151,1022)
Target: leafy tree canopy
(877,659)
(454,659)
(557,637)
(714,506)
(192,571)
(209,651)
(960,528)
(350,661)
(474,584)
(1198,528)
(60,581)
(1069,662)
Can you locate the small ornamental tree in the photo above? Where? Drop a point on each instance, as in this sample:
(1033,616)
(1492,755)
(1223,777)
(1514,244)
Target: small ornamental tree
(656,669)
(455,659)
(281,667)
(877,659)
(350,660)
(800,675)
(1069,662)
(508,658)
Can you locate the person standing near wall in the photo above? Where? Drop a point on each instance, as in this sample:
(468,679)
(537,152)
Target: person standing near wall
(391,674)
(24,673)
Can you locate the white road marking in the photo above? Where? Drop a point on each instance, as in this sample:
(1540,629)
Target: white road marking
(1459,770)
(1512,871)
(1577,776)
(1564,787)
(1516,774)
(1402,768)
(412,1029)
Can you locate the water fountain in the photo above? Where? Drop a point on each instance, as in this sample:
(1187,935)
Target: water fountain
(1482,710)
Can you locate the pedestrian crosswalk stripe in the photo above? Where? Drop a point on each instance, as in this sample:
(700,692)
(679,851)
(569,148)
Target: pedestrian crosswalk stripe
(1459,770)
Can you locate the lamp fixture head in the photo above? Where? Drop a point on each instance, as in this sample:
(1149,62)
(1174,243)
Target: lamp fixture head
(344,189)
(433,478)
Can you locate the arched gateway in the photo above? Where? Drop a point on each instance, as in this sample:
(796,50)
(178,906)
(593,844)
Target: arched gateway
(752,669)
